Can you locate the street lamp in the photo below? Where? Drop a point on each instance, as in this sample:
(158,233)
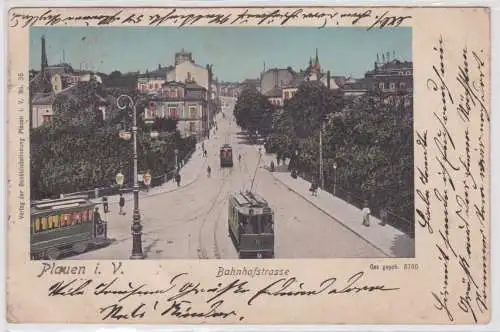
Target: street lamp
(176,153)
(335,179)
(136,221)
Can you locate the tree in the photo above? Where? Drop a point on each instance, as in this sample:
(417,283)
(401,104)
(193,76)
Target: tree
(310,106)
(253,112)
(77,152)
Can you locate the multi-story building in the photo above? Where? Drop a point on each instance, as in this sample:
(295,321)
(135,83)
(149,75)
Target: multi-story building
(275,78)
(185,102)
(390,75)
(187,74)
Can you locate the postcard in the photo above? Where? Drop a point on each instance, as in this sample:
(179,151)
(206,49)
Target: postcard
(259,165)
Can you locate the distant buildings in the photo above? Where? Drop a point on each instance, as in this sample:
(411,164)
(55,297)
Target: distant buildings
(51,81)
(279,85)
(389,76)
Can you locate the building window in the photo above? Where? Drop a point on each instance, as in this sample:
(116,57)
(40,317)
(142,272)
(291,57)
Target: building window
(287,95)
(192,127)
(402,86)
(173,93)
(392,86)
(46,118)
(173,112)
(381,86)
(193,112)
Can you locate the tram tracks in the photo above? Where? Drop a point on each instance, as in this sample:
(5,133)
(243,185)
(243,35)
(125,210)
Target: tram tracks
(216,202)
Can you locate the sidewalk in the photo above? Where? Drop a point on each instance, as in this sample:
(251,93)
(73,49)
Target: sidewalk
(387,239)
(189,173)
(119,225)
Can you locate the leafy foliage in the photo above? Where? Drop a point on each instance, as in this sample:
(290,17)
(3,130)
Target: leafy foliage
(368,138)
(80,150)
(253,112)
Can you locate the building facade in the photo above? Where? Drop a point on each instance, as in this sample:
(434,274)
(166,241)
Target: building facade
(185,102)
(275,78)
(390,75)
(41,109)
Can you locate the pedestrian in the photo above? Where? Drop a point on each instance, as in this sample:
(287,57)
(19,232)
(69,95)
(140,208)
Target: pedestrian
(209,171)
(97,216)
(105,204)
(178,179)
(239,158)
(383,217)
(205,153)
(314,188)
(366,215)
(203,146)
(122,204)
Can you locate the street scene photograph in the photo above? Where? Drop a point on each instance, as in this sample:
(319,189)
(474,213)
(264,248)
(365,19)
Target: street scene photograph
(221,143)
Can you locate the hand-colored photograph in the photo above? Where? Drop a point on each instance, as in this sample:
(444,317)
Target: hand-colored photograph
(221,143)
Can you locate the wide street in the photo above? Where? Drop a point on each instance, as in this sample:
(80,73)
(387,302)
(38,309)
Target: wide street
(191,221)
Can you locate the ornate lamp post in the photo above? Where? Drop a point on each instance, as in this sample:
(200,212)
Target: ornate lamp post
(176,152)
(335,179)
(136,223)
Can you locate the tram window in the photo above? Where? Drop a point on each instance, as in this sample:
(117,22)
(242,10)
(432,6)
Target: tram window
(255,221)
(44,223)
(38,225)
(267,223)
(247,227)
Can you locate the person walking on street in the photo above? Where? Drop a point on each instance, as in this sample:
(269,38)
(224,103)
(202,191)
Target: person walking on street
(209,171)
(105,204)
(366,215)
(178,179)
(239,158)
(122,204)
(314,188)
(205,153)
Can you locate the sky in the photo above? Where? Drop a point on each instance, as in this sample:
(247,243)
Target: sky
(236,53)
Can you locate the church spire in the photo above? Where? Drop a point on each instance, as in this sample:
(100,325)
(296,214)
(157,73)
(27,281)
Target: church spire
(44,62)
(317,57)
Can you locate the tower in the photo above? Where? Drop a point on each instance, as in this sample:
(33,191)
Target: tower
(44,62)
(44,82)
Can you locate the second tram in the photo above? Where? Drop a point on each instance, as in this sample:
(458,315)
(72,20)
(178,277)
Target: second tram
(226,156)
(65,225)
(251,225)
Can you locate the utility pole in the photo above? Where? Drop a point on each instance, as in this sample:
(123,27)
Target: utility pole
(322,179)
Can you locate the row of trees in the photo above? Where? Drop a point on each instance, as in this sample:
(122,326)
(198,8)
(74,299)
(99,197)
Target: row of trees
(367,142)
(80,149)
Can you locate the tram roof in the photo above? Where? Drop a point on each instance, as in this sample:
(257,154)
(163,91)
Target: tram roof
(60,203)
(249,199)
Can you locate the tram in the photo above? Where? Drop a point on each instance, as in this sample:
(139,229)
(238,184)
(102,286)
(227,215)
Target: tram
(226,156)
(251,225)
(60,226)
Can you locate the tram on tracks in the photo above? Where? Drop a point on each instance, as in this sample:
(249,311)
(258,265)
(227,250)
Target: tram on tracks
(251,225)
(226,156)
(61,226)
